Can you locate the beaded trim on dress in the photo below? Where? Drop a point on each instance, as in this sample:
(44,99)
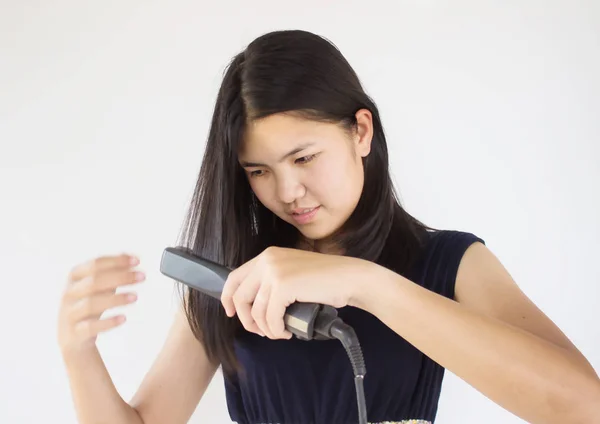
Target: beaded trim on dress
(403,422)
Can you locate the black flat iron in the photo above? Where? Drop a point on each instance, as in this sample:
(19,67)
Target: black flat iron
(306,321)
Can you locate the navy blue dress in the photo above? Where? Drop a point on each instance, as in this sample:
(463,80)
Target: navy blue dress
(304,382)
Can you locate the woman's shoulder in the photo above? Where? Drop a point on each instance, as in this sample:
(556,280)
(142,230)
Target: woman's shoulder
(450,239)
(442,253)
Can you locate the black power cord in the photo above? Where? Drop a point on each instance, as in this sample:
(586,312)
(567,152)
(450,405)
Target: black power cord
(344,333)
(330,326)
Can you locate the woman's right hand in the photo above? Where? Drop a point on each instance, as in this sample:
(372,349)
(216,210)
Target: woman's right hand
(91,290)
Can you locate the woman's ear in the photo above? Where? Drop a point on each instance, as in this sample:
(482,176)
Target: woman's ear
(364,132)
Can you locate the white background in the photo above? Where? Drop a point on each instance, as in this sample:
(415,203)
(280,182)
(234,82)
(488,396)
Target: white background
(492,115)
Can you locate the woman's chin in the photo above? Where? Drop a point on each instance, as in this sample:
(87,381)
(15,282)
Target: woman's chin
(316,232)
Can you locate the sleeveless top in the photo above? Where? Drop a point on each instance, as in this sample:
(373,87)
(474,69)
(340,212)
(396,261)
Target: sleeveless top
(311,382)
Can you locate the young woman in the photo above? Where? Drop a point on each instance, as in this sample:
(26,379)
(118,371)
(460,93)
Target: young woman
(295,194)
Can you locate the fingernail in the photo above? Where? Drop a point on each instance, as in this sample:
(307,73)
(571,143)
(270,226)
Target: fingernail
(139,276)
(133,260)
(131,297)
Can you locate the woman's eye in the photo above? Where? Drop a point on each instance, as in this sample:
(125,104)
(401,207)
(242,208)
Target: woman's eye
(305,159)
(256,173)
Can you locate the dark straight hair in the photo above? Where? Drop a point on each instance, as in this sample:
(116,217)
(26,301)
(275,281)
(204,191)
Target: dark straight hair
(284,72)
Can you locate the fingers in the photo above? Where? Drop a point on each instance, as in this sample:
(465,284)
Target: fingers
(233,282)
(89,329)
(274,316)
(90,291)
(94,306)
(101,264)
(229,289)
(248,294)
(259,309)
(242,300)
(109,280)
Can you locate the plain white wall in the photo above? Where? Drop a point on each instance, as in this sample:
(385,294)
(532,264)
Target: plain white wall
(491,111)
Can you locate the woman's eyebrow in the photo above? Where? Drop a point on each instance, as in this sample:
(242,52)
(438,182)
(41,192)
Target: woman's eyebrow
(292,152)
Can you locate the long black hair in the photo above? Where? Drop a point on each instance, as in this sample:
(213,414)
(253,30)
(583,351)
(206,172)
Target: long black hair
(295,72)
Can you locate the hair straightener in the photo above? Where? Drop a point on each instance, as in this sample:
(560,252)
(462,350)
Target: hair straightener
(306,321)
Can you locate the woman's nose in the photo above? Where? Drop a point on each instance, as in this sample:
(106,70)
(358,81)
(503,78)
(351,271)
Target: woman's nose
(289,189)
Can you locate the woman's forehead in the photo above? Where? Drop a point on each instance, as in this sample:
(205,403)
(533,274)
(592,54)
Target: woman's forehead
(282,132)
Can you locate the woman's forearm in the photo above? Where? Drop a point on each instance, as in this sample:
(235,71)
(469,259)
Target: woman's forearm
(525,374)
(95,397)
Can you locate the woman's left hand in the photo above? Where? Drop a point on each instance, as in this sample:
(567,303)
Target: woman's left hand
(260,290)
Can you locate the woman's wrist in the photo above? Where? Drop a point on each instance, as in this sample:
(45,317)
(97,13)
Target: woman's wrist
(369,283)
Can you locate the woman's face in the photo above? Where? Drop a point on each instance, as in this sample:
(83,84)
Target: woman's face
(310,174)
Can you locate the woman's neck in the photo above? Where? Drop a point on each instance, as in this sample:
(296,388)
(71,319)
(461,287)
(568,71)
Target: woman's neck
(319,246)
